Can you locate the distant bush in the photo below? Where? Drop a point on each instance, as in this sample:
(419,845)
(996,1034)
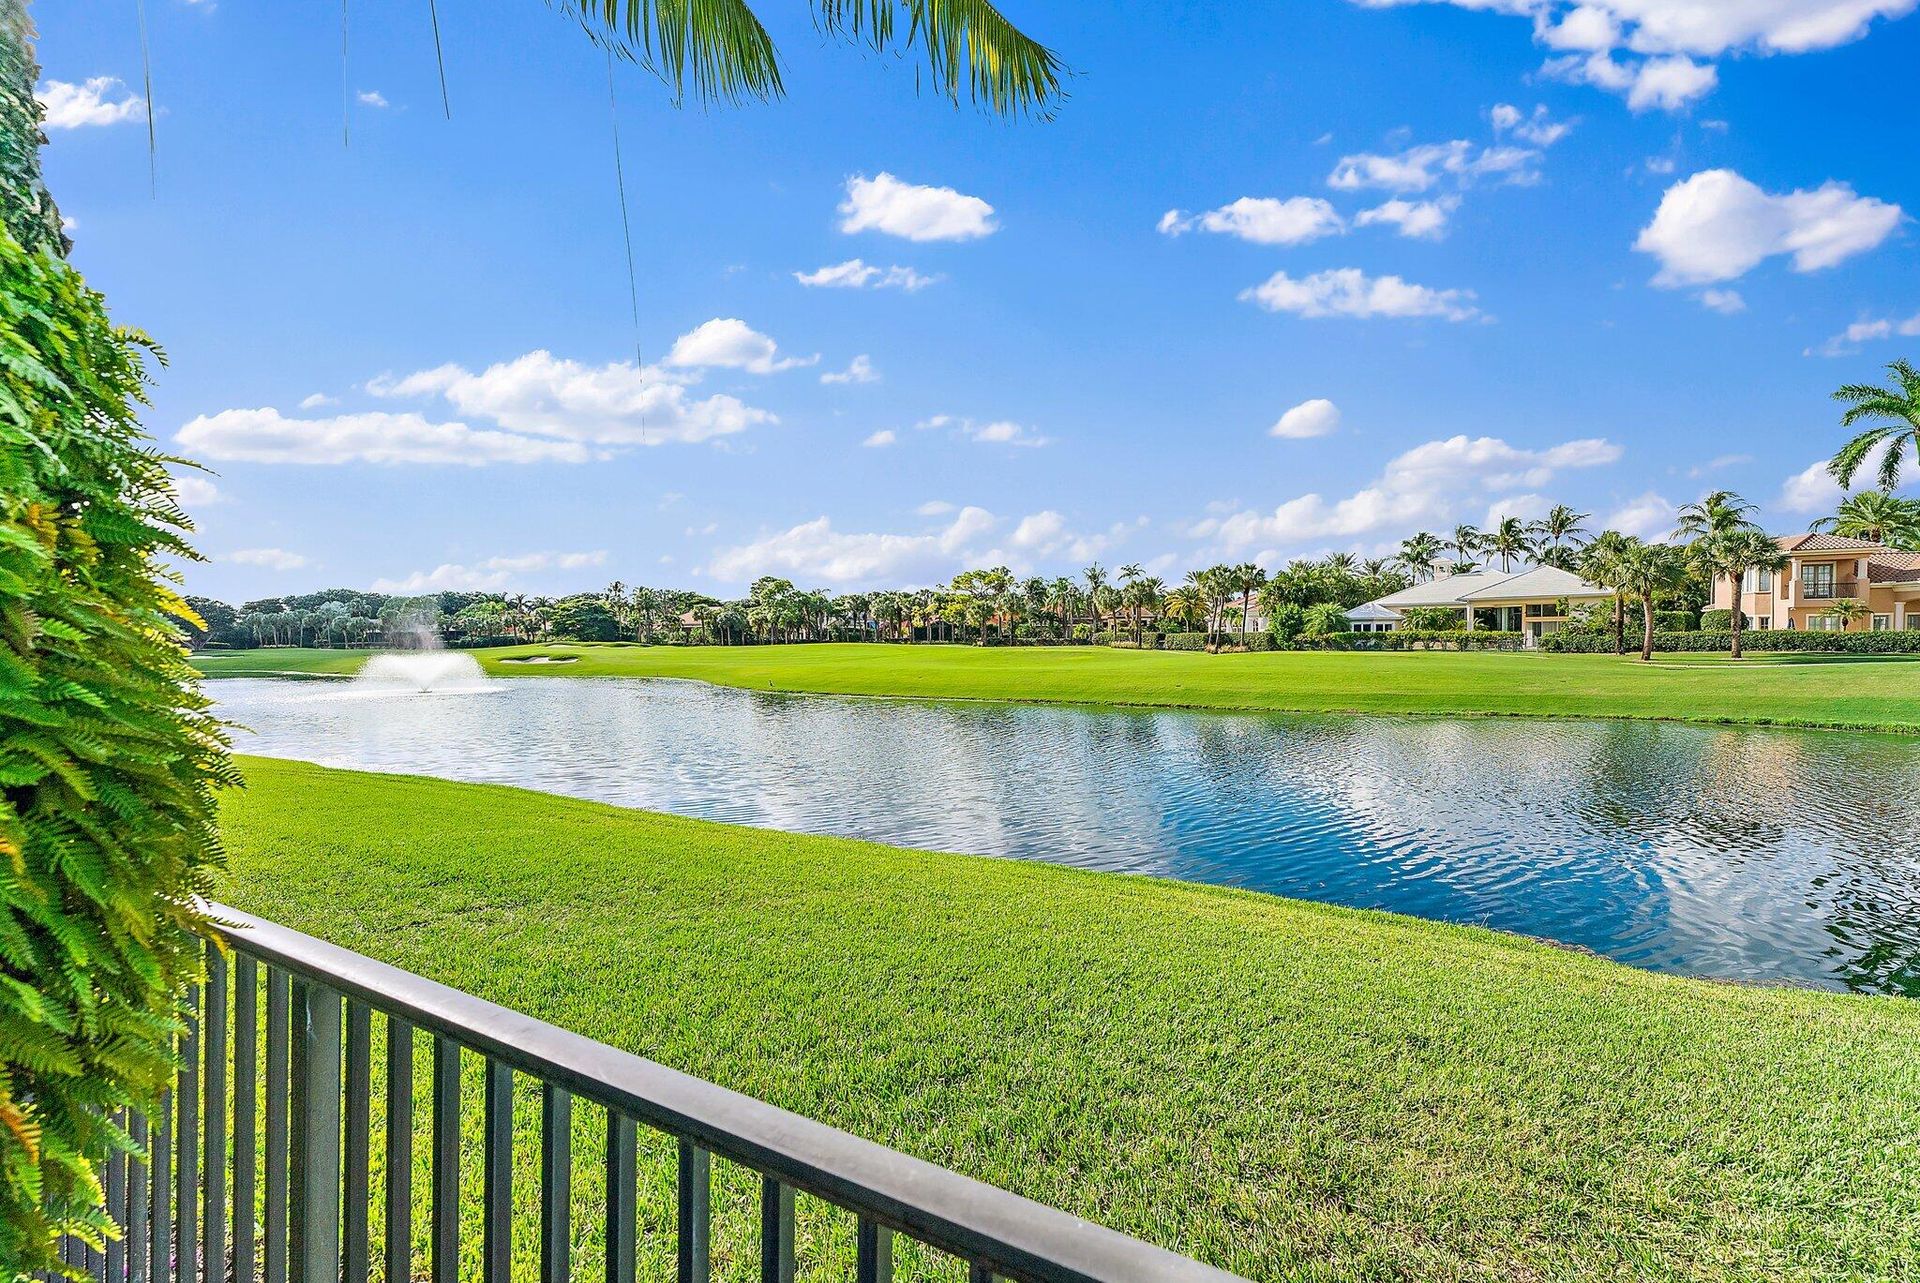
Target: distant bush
(108,758)
(1716,621)
(1415,639)
(1671,621)
(1433,619)
(1751,639)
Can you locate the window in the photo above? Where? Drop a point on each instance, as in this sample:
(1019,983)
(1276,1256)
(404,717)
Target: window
(1545,611)
(1816,580)
(1913,620)
(1756,580)
(1883,623)
(1763,624)
(1825,624)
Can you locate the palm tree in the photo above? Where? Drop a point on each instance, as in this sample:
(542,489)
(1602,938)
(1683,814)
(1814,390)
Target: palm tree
(1603,563)
(1848,610)
(1646,570)
(1899,406)
(1735,552)
(1096,577)
(1507,541)
(1465,544)
(719,51)
(1561,525)
(1248,578)
(1878,517)
(1130,575)
(1185,603)
(1420,555)
(1713,514)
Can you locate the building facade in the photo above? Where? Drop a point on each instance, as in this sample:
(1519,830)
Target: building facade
(1533,602)
(1824,569)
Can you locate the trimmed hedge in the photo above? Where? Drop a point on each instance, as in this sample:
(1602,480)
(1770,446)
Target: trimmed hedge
(1415,639)
(1751,639)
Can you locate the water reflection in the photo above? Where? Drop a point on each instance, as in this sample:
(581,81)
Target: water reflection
(1750,854)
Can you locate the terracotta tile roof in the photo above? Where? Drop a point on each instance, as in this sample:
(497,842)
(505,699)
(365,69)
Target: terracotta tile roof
(1819,542)
(1893,568)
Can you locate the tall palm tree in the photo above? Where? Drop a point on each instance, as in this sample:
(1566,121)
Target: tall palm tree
(1465,544)
(1646,570)
(1735,552)
(1715,513)
(1603,563)
(1878,517)
(1507,541)
(1096,577)
(1420,555)
(718,51)
(1248,578)
(1899,407)
(1561,525)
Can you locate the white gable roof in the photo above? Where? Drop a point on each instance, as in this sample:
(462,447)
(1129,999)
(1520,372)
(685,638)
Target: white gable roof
(1448,590)
(1373,612)
(1541,582)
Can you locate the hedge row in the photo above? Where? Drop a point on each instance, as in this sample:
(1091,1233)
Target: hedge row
(1571,642)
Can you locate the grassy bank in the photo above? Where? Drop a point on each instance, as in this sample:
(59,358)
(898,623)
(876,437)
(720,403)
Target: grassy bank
(1286,1090)
(1882,694)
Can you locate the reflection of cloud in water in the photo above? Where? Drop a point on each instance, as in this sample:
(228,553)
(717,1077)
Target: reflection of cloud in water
(1743,853)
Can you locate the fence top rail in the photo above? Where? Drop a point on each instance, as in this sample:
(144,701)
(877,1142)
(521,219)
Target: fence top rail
(1014,1236)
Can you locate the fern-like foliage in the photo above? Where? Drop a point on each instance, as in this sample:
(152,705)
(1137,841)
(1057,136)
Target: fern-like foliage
(109,758)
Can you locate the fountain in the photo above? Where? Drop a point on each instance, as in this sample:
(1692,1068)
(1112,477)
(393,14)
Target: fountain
(425,672)
(425,669)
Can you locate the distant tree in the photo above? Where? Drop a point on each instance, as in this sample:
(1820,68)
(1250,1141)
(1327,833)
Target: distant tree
(1714,513)
(1419,556)
(1878,517)
(585,618)
(1510,541)
(1733,553)
(1603,563)
(1646,571)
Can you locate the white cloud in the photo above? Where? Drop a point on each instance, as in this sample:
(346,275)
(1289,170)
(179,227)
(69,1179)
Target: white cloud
(1527,507)
(814,552)
(195,491)
(371,98)
(1316,418)
(1420,168)
(615,404)
(997,432)
(1417,220)
(1848,341)
(92,102)
(859,370)
(884,203)
(881,439)
(858,274)
(1263,220)
(1647,517)
(1812,489)
(490,575)
(268,559)
(266,436)
(1350,292)
(1661,38)
(1047,535)
(1725,302)
(1539,128)
(730,343)
(317,400)
(1424,485)
(1717,226)
(934,508)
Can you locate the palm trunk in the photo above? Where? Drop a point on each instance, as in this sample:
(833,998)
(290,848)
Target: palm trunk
(1619,624)
(1646,643)
(1739,617)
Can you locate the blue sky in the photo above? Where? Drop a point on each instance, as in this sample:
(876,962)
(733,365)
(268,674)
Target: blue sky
(1462,256)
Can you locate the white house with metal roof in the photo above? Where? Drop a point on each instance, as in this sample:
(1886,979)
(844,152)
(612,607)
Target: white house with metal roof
(1534,601)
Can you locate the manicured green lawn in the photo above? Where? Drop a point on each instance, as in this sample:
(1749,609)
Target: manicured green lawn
(1286,1090)
(1882,694)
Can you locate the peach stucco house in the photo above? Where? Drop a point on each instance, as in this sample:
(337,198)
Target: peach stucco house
(1822,569)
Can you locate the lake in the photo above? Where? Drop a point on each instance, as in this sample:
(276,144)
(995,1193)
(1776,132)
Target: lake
(1749,854)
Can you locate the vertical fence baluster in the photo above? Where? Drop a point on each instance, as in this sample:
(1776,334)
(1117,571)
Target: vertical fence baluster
(274,1253)
(138,1208)
(873,1253)
(556,1183)
(318,1256)
(213,1158)
(776,1231)
(496,1226)
(446,1161)
(359,1140)
(160,1191)
(621,1193)
(399,1218)
(696,1196)
(116,1254)
(245,1100)
(297,1052)
(186,1153)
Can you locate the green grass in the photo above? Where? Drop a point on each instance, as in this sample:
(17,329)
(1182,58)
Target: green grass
(1881,694)
(1286,1090)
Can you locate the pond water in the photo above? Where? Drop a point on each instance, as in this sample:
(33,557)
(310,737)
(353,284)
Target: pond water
(1770,856)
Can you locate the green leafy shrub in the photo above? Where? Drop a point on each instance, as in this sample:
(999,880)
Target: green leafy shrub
(108,758)
(1286,621)
(1324,619)
(1751,639)
(1415,639)
(1716,621)
(1433,619)
(1672,621)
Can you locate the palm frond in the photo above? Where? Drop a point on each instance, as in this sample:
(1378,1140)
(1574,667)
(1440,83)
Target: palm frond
(968,43)
(717,49)
(1890,462)
(1847,460)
